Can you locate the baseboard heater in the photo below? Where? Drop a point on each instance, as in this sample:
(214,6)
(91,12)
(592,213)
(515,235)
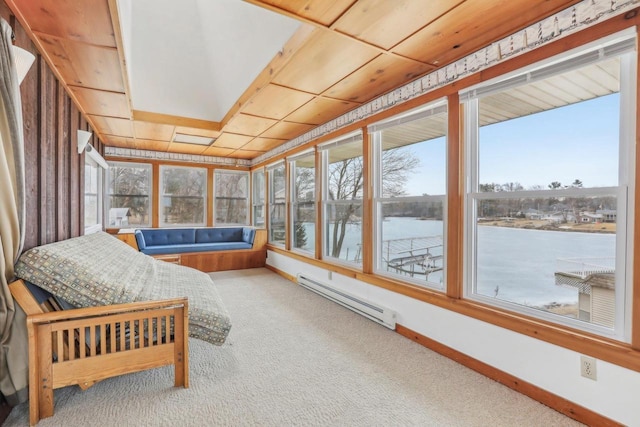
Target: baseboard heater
(378,314)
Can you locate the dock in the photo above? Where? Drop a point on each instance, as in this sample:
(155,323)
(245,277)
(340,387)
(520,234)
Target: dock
(413,256)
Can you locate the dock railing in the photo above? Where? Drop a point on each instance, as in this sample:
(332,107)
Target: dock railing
(585,267)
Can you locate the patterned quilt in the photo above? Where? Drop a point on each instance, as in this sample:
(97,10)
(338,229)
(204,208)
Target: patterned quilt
(98,269)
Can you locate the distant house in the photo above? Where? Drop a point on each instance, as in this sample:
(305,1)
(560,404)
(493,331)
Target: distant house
(533,214)
(557,217)
(590,218)
(119,217)
(608,215)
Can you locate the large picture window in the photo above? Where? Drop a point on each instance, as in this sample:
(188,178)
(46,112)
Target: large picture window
(303,201)
(410,194)
(231,201)
(547,199)
(183,197)
(343,175)
(277,203)
(128,195)
(258,188)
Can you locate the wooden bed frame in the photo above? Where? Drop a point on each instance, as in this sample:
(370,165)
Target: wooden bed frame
(86,345)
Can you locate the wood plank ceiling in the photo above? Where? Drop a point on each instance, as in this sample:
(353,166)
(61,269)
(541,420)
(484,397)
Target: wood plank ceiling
(346,53)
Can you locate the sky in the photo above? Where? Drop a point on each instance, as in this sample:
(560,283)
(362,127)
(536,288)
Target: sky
(579,141)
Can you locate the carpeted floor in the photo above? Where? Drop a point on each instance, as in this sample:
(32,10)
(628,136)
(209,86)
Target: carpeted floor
(295,358)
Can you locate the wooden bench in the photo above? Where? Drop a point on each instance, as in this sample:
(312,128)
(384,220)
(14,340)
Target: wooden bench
(86,345)
(208,262)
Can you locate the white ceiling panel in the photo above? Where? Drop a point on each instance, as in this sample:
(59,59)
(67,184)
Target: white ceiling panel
(195,58)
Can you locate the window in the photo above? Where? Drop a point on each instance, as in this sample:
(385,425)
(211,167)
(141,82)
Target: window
(258,188)
(303,202)
(277,203)
(550,153)
(410,195)
(92,195)
(343,174)
(231,197)
(129,191)
(183,195)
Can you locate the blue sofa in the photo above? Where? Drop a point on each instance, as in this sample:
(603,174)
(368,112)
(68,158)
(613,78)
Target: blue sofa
(160,241)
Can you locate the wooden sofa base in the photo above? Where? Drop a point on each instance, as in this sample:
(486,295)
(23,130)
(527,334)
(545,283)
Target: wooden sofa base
(218,260)
(84,346)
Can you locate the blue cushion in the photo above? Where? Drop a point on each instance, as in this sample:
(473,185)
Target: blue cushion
(140,239)
(218,234)
(248,234)
(169,236)
(198,247)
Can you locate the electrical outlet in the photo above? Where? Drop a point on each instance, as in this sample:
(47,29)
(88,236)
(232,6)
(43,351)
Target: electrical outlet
(588,367)
(330,275)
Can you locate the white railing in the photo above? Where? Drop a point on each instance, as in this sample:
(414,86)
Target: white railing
(585,267)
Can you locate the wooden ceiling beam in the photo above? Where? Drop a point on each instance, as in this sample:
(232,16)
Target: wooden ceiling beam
(117,32)
(167,119)
(323,27)
(271,70)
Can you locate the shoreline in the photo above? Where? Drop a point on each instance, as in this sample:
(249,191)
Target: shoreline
(538,224)
(563,309)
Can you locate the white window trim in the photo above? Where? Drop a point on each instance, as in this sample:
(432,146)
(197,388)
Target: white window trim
(294,202)
(94,228)
(270,196)
(253,197)
(433,108)
(326,203)
(625,192)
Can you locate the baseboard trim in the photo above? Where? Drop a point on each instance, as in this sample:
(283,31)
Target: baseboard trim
(560,404)
(282,273)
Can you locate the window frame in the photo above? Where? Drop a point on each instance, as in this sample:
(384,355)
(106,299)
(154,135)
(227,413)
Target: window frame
(624,191)
(149,169)
(271,198)
(432,108)
(294,202)
(94,228)
(326,204)
(161,196)
(256,201)
(246,198)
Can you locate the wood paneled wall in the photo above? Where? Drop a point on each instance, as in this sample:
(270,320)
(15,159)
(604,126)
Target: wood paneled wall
(54,169)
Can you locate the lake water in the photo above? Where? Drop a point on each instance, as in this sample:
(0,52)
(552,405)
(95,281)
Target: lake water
(518,263)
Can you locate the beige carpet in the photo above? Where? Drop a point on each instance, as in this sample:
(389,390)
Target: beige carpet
(295,358)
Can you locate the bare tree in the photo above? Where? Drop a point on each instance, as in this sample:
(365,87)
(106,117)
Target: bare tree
(184,190)
(129,187)
(232,190)
(346,181)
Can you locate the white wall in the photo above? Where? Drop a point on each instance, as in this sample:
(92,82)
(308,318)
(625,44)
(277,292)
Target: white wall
(555,369)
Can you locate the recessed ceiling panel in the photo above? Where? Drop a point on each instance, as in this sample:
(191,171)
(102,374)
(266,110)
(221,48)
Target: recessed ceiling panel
(195,58)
